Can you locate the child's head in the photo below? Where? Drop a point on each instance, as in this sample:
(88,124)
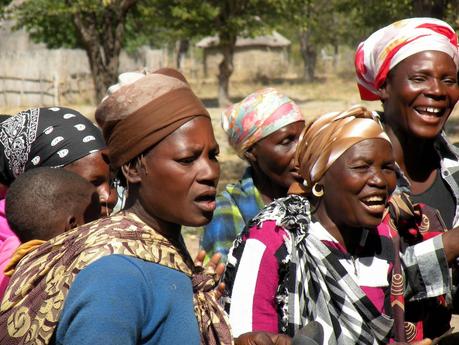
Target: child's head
(45,202)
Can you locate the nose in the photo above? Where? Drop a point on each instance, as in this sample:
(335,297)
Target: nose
(435,88)
(209,172)
(107,197)
(377,179)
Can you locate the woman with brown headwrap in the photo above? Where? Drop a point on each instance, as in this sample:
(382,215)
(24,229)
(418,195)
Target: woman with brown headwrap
(319,253)
(128,279)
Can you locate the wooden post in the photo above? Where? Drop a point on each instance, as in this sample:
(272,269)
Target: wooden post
(56,89)
(21,91)
(5,98)
(41,90)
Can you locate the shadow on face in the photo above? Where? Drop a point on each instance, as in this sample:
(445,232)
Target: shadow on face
(272,156)
(358,185)
(179,175)
(95,169)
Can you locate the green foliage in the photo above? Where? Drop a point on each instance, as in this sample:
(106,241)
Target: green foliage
(47,21)
(226,18)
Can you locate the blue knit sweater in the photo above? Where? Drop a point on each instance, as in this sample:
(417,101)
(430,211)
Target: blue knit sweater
(124,300)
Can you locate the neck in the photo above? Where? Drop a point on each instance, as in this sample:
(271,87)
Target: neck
(267,189)
(416,157)
(348,237)
(169,230)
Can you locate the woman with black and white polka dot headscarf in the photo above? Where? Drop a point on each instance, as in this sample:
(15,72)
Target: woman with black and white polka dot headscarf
(53,137)
(50,137)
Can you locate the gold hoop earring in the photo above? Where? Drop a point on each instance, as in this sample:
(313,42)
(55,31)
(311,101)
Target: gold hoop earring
(317,192)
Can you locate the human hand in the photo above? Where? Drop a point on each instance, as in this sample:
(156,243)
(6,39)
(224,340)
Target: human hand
(216,266)
(263,338)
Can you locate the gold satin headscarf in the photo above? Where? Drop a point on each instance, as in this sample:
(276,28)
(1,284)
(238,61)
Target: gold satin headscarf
(324,140)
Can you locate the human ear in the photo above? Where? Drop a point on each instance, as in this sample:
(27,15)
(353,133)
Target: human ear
(250,155)
(71,223)
(131,172)
(384,91)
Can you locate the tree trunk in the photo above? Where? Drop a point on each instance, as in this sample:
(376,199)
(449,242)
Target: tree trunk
(430,8)
(102,37)
(309,54)
(182,49)
(225,68)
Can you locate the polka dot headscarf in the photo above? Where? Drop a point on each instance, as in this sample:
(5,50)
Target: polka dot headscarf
(52,137)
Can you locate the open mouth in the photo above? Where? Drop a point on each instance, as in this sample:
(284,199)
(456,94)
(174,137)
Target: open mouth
(206,202)
(376,204)
(430,114)
(206,198)
(296,176)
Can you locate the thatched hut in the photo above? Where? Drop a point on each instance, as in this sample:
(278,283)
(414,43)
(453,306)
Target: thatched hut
(258,57)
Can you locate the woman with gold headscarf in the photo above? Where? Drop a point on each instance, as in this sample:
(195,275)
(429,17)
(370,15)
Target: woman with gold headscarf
(320,254)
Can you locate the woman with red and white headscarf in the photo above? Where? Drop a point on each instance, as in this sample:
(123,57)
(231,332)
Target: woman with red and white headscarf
(411,67)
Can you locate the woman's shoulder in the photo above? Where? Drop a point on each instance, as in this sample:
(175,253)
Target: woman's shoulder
(289,213)
(133,268)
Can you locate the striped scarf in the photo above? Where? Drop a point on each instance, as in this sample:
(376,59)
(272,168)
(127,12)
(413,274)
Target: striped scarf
(318,287)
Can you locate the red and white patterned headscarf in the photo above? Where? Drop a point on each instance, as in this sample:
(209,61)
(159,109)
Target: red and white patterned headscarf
(385,48)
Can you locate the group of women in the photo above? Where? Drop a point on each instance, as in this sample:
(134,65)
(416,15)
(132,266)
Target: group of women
(326,221)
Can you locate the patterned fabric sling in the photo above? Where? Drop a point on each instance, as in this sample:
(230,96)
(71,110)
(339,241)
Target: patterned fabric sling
(35,297)
(410,224)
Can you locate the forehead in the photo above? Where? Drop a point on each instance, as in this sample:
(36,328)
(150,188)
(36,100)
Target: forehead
(90,166)
(369,149)
(195,133)
(292,128)
(430,59)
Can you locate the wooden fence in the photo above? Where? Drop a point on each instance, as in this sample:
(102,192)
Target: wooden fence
(17,91)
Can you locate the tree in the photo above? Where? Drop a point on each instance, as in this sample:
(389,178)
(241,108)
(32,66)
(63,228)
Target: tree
(94,25)
(227,19)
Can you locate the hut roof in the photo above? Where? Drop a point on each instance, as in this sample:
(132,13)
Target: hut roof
(273,40)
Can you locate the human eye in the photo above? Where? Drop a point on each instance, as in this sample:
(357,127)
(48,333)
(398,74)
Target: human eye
(288,140)
(213,154)
(359,166)
(390,166)
(451,81)
(418,78)
(96,182)
(186,160)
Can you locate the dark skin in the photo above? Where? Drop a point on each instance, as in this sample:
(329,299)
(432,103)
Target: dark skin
(95,169)
(174,183)
(418,97)
(424,79)
(366,171)
(271,160)
(356,190)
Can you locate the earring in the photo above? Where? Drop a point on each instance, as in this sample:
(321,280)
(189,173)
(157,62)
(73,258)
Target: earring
(317,192)
(142,162)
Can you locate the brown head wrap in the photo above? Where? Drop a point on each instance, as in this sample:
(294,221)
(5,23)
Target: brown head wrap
(139,115)
(324,140)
